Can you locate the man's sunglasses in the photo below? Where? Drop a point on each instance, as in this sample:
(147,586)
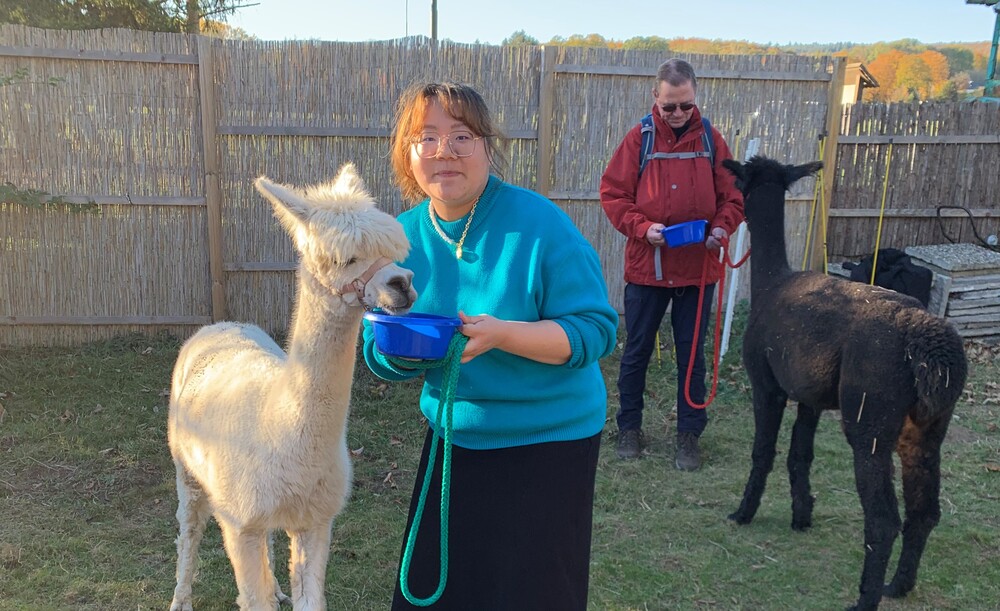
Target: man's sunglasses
(686,106)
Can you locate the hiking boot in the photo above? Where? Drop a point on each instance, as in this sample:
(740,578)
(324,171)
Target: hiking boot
(629,443)
(688,454)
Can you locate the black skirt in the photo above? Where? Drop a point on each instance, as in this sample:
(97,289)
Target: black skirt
(519,528)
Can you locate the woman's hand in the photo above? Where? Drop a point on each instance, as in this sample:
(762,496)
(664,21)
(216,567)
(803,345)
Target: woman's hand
(484,332)
(543,341)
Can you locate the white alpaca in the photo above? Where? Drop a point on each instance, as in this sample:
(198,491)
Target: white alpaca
(259,436)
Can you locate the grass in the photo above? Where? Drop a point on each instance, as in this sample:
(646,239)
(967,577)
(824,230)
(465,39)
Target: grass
(87,498)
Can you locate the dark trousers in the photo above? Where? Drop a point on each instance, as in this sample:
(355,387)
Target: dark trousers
(644,310)
(519,528)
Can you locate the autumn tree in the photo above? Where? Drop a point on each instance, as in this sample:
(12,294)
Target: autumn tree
(913,77)
(647,43)
(152,15)
(519,38)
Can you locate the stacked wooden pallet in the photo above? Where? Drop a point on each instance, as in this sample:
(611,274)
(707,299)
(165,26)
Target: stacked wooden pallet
(966,287)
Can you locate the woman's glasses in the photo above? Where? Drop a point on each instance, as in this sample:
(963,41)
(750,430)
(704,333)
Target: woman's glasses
(686,106)
(461,143)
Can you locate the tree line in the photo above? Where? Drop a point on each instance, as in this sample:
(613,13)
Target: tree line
(906,70)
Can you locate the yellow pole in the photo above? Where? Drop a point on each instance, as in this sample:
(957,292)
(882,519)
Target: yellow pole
(812,213)
(881,213)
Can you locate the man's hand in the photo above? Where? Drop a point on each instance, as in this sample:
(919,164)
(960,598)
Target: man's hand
(715,238)
(654,235)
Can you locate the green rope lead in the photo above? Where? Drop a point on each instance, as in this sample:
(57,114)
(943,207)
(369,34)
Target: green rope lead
(445,414)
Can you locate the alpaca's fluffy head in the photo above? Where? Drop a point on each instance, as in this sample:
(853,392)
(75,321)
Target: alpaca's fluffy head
(761,171)
(339,233)
(765,175)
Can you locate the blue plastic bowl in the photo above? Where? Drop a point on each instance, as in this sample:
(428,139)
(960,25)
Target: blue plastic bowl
(413,335)
(682,234)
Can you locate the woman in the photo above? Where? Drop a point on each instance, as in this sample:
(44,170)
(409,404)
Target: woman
(530,402)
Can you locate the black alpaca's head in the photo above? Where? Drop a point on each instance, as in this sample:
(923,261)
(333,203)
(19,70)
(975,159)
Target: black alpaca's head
(764,181)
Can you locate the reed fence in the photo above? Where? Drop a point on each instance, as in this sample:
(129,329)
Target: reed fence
(146,144)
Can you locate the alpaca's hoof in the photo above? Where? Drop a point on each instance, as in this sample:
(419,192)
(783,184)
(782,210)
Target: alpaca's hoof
(177,605)
(802,525)
(896,589)
(740,517)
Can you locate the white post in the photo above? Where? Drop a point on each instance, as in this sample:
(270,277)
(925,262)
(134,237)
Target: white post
(734,276)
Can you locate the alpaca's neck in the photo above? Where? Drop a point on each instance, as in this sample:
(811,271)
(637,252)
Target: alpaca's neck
(770,259)
(321,356)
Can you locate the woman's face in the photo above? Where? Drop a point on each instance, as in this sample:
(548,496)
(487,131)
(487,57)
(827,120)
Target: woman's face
(453,183)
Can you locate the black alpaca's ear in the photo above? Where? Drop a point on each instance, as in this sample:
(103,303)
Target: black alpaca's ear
(801,171)
(737,170)
(735,167)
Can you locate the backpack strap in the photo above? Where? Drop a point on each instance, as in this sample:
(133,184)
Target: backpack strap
(648,131)
(707,142)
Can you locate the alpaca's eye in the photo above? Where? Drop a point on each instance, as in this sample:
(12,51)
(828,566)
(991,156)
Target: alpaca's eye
(350,261)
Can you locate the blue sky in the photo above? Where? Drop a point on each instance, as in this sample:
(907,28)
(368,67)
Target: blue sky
(763,21)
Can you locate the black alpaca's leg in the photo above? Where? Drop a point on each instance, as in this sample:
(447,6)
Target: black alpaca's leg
(873,477)
(919,451)
(767,412)
(800,458)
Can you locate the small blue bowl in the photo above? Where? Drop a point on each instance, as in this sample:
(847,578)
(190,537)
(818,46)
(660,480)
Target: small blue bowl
(682,234)
(413,335)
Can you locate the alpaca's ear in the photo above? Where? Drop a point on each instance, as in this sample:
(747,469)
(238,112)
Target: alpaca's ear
(737,170)
(289,207)
(348,181)
(801,171)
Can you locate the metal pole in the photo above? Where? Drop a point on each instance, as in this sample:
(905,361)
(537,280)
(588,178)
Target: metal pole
(991,89)
(434,21)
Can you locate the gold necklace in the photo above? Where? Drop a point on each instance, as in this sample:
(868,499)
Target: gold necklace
(444,236)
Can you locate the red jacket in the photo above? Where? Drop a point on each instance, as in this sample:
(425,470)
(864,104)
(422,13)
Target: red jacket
(670,191)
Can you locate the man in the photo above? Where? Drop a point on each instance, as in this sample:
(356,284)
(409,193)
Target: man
(683,180)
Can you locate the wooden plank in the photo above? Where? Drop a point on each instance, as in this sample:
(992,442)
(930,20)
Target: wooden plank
(974,293)
(128,200)
(857,213)
(336,132)
(546,93)
(981,332)
(255,266)
(946,139)
(830,141)
(290,130)
(964,305)
(977,315)
(763,75)
(103,320)
(103,56)
(596,196)
(979,279)
(213,191)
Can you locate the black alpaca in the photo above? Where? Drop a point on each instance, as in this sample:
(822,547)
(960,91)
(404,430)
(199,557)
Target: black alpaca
(893,370)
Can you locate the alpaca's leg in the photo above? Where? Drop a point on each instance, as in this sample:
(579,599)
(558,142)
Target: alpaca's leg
(768,408)
(920,457)
(310,551)
(873,477)
(248,553)
(282,598)
(193,511)
(800,458)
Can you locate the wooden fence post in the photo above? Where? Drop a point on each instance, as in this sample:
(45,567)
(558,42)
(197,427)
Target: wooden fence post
(213,191)
(546,94)
(834,114)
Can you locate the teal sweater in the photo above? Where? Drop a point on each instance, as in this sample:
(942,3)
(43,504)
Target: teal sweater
(524,260)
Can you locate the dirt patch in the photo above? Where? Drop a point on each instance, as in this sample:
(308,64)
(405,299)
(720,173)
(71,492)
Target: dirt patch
(960,434)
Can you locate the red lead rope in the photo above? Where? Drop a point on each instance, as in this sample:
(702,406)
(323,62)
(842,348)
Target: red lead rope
(722,262)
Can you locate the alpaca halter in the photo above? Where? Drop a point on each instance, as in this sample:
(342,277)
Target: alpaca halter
(444,236)
(358,284)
